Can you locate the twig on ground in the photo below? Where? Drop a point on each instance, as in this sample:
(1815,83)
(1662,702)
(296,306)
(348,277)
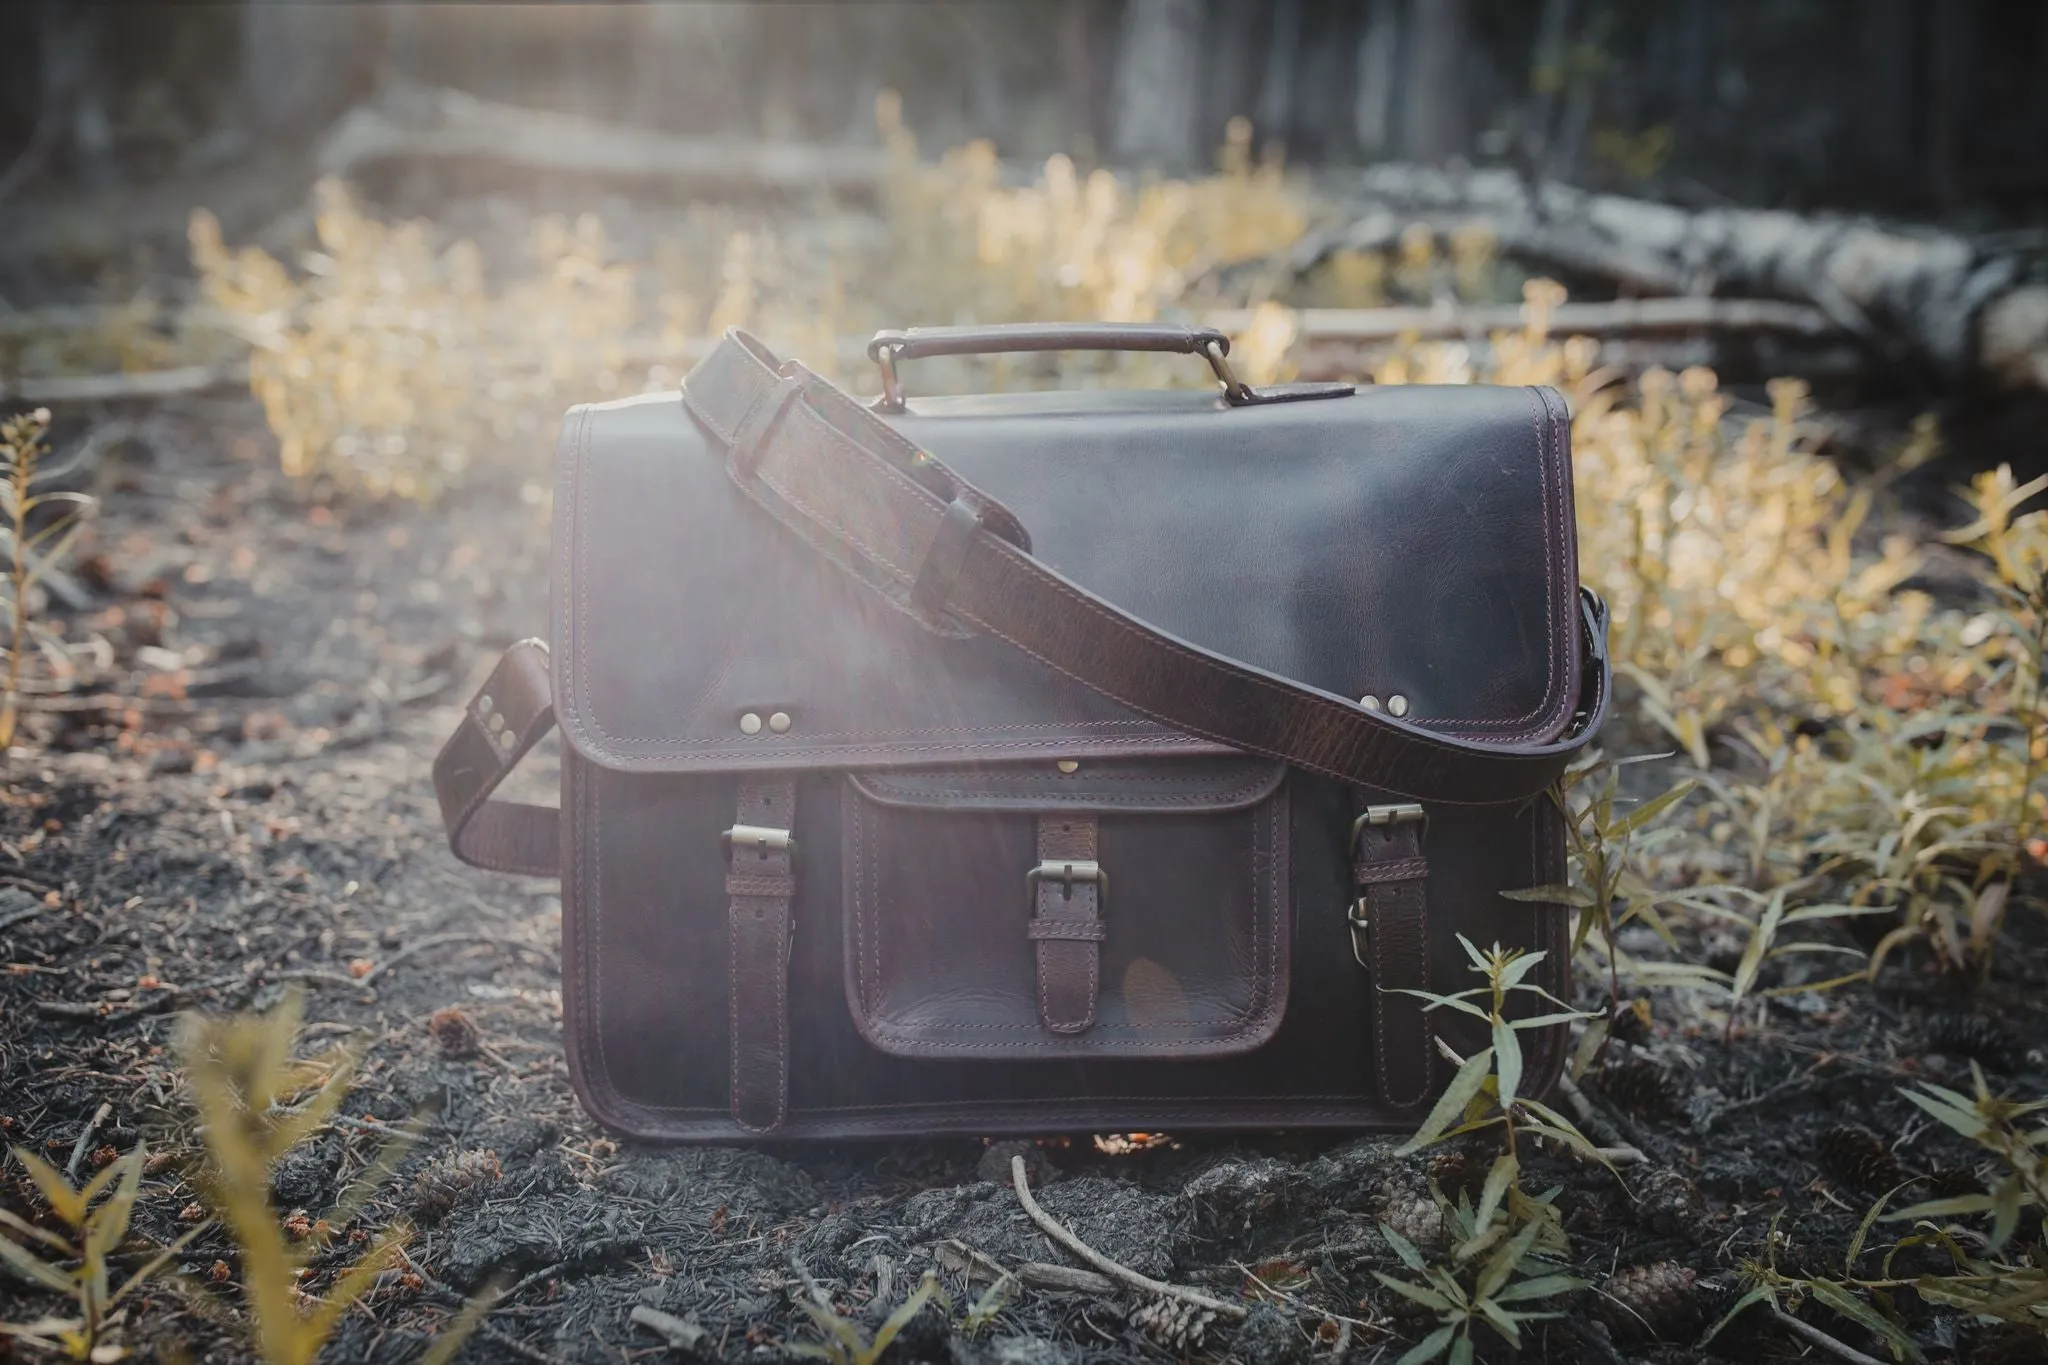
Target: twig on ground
(1813,1336)
(1618,1142)
(1064,1279)
(20,917)
(1307,1310)
(1056,1230)
(92,1126)
(680,1333)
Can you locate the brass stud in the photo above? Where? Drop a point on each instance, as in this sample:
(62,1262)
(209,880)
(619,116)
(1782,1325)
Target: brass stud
(779,722)
(1068,765)
(750,724)
(1369,702)
(496,724)
(506,740)
(1397,704)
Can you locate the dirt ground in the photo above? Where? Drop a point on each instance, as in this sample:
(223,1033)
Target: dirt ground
(243,809)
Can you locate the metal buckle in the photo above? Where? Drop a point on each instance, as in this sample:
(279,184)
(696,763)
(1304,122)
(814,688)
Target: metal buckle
(763,839)
(1067,873)
(1361,931)
(1377,817)
(1401,813)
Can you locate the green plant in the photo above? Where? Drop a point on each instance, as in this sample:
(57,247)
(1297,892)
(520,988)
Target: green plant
(256,1104)
(1486,1091)
(33,541)
(846,1343)
(1500,1262)
(2006,1129)
(97,1217)
(1844,1294)
(1990,1278)
(1608,886)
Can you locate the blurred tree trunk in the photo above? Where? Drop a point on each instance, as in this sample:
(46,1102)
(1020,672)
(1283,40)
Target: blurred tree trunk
(302,64)
(1436,123)
(1377,91)
(1275,116)
(1156,91)
(1084,39)
(1236,44)
(1951,84)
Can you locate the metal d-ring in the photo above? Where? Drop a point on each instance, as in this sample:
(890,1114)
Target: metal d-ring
(892,388)
(1235,390)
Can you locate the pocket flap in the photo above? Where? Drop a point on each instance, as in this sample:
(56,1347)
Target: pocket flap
(1183,946)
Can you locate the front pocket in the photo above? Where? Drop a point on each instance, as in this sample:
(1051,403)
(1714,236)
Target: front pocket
(955,949)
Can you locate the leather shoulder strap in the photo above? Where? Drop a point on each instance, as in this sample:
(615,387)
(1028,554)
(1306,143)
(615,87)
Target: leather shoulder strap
(946,553)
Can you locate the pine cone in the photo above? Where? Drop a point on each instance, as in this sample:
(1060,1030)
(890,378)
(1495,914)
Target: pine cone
(1649,1301)
(1856,1156)
(2010,1343)
(1644,1089)
(1461,1170)
(1174,1323)
(448,1182)
(1984,1041)
(1413,1214)
(455,1033)
(1667,1202)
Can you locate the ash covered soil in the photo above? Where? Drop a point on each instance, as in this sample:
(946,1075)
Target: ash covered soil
(238,806)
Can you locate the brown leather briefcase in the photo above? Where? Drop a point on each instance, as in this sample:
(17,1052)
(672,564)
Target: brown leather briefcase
(1046,760)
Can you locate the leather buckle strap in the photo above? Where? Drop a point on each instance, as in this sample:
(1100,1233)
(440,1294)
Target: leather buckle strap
(1391,916)
(1066,890)
(508,715)
(760,878)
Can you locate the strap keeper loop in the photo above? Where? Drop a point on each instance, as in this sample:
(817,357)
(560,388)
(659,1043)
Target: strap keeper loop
(761,420)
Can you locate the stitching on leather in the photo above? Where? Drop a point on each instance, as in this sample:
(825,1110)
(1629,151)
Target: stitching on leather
(1038,787)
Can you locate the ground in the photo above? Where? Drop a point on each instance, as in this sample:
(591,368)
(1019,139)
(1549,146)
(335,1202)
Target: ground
(241,808)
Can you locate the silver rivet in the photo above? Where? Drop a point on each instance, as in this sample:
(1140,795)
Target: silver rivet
(1068,765)
(1369,702)
(750,724)
(484,706)
(1397,704)
(779,722)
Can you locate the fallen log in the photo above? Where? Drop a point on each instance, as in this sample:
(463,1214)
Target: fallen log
(447,125)
(1622,317)
(1967,311)
(92,388)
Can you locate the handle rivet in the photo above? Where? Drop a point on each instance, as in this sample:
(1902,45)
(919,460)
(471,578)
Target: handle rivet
(1369,702)
(779,722)
(750,724)
(1397,705)
(1067,765)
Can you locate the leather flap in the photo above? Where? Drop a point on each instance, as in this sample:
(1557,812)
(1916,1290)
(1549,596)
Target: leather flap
(1132,788)
(1402,542)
